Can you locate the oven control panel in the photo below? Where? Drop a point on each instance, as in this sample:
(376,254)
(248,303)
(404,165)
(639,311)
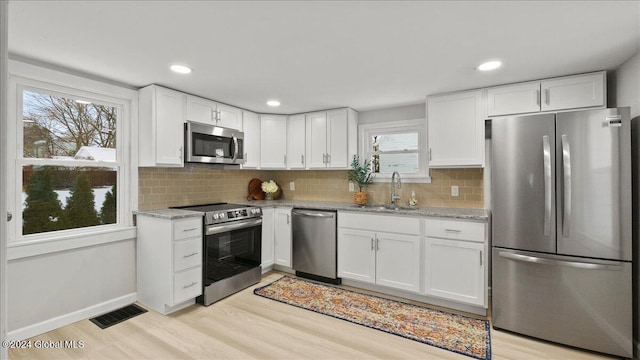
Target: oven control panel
(216,217)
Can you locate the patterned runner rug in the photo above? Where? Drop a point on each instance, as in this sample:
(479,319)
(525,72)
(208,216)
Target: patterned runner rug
(457,333)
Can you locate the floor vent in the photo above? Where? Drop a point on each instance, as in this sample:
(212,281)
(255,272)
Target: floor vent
(118,316)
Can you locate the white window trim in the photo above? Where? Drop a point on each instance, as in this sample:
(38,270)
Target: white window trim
(27,75)
(422,176)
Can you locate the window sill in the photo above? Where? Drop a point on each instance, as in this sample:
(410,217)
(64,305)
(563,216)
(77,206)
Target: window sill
(59,242)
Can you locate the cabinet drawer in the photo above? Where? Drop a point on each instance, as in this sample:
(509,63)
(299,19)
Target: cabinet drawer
(187,285)
(386,223)
(187,253)
(186,228)
(454,229)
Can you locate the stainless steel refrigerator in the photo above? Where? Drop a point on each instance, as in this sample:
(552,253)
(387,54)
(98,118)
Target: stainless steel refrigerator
(561,228)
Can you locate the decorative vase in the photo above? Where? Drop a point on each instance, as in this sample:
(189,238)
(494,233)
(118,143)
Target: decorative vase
(360,198)
(268,196)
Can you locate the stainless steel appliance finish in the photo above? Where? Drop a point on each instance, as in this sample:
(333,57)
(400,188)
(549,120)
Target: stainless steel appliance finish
(561,228)
(315,244)
(211,144)
(232,242)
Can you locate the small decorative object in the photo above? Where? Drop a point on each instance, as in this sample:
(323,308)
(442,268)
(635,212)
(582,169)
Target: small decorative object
(270,188)
(255,190)
(360,174)
(413,200)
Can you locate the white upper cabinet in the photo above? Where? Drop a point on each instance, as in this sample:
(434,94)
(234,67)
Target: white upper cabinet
(209,112)
(161,127)
(273,147)
(296,133)
(569,92)
(574,92)
(331,138)
(513,99)
(455,124)
(251,130)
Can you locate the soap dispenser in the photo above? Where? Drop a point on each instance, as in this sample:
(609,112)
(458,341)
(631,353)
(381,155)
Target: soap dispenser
(413,200)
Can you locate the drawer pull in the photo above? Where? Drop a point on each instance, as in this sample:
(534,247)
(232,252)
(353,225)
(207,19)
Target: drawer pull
(190,255)
(190,285)
(453,231)
(185,230)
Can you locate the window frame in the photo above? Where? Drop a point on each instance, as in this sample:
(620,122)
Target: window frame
(366,132)
(23,76)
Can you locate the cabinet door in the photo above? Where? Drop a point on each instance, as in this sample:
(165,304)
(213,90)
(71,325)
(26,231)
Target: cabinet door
(574,92)
(251,129)
(296,133)
(169,127)
(201,110)
(356,255)
(282,238)
(268,220)
(398,261)
(273,150)
(456,130)
(316,140)
(513,99)
(455,270)
(337,139)
(229,116)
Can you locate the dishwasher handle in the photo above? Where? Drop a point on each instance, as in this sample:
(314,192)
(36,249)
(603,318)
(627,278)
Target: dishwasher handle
(314,214)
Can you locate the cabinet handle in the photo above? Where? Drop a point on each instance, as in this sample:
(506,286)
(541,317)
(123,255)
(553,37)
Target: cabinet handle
(377,243)
(191,229)
(328,158)
(372,248)
(324,158)
(190,255)
(213,115)
(538,97)
(302,159)
(287,219)
(429,154)
(219,115)
(245,157)
(285,159)
(546,96)
(190,285)
(480,257)
(180,150)
(453,231)
(9,216)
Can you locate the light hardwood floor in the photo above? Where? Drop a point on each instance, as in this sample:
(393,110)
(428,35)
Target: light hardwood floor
(245,326)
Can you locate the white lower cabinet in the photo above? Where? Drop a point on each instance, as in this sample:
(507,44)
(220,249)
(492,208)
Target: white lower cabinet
(169,262)
(455,261)
(369,254)
(276,238)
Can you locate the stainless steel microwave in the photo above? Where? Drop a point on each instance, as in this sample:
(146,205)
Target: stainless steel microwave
(210,144)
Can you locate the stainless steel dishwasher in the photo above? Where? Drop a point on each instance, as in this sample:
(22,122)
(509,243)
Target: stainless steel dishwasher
(315,244)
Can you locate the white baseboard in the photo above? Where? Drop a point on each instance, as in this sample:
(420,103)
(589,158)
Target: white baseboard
(63,320)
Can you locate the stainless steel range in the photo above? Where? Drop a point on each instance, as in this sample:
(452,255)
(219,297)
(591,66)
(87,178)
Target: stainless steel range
(232,249)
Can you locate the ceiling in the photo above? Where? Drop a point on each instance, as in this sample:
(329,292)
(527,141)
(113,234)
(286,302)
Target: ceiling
(314,55)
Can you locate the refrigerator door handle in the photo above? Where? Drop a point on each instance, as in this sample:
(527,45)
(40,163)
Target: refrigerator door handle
(546,152)
(545,261)
(566,165)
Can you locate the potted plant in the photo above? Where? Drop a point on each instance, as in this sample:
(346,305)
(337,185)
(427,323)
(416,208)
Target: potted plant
(360,174)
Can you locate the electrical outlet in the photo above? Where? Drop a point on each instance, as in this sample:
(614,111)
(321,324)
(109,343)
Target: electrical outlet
(454,190)
(352,187)
(292,185)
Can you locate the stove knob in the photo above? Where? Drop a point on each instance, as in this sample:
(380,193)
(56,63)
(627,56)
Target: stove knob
(221,215)
(215,216)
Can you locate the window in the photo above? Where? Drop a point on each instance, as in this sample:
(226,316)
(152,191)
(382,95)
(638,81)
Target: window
(396,146)
(72,170)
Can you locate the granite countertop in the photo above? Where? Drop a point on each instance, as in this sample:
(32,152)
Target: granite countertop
(430,211)
(169,213)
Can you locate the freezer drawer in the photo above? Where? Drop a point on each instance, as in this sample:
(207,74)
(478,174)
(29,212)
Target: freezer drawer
(574,301)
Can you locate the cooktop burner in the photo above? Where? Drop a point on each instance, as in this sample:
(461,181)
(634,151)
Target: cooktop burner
(223,212)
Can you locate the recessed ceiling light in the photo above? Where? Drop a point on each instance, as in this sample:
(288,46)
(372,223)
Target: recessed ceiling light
(490,65)
(180,69)
(273,103)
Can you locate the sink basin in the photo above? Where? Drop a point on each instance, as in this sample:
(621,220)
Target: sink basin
(384,207)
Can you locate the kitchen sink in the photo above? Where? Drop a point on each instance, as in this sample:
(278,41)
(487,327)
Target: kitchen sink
(385,207)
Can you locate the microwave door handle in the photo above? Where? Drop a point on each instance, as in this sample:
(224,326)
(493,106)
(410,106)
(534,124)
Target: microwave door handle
(236,147)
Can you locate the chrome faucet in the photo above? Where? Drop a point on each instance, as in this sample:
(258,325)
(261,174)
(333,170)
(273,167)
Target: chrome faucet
(394,196)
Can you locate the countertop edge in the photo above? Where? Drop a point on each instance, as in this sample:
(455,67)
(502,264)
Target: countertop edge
(170,214)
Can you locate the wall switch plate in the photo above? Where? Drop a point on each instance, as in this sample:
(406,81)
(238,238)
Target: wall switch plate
(292,185)
(454,191)
(352,187)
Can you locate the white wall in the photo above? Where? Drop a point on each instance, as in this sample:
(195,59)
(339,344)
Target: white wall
(407,112)
(51,290)
(624,86)
(4,27)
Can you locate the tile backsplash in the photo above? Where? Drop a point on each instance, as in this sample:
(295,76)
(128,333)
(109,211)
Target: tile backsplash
(200,184)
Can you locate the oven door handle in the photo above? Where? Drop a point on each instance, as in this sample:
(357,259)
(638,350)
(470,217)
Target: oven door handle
(217,229)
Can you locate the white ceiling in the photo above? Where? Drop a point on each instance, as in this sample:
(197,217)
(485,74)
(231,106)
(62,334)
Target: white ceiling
(315,55)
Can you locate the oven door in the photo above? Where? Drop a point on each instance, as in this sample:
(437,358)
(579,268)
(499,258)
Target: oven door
(231,249)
